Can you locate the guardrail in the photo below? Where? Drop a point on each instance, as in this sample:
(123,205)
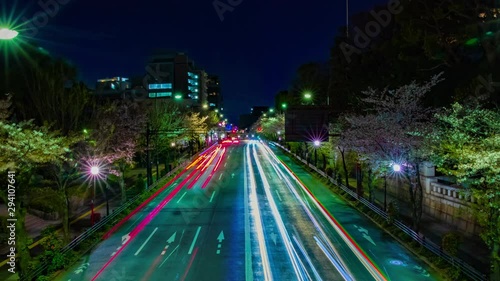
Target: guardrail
(42,268)
(468,270)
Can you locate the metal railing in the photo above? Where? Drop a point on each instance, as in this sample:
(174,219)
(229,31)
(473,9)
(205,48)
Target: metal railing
(468,270)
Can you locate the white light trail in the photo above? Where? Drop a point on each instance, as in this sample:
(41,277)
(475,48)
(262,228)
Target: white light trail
(254,204)
(279,222)
(373,271)
(340,264)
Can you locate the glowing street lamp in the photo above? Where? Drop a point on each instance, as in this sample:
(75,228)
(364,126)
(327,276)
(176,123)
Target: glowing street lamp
(95,172)
(307,95)
(205,106)
(316,143)
(7,34)
(283,106)
(396,167)
(178,96)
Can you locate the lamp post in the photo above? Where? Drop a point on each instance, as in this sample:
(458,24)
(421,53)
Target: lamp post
(308,96)
(385,191)
(8,34)
(396,168)
(317,143)
(94,171)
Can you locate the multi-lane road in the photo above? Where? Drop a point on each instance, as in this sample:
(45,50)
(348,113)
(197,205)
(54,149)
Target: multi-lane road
(247,212)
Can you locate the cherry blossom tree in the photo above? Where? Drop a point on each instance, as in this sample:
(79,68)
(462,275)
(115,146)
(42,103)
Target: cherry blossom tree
(391,131)
(115,137)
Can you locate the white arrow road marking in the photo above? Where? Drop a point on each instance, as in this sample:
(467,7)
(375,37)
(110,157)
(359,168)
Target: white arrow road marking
(147,240)
(169,241)
(364,231)
(125,238)
(220,238)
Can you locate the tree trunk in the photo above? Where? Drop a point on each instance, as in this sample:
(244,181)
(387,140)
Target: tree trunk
(416,196)
(65,216)
(122,182)
(359,180)
(370,185)
(345,168)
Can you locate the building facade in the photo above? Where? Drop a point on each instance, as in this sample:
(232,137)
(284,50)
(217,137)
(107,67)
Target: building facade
(214,95)
(174,75)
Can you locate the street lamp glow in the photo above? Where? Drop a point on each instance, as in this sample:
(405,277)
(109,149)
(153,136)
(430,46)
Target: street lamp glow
(271,110)
(283,105)
(205,106)
(7,34)
(178,96)
(317,143)
(94,170)
(396,168)
(307,95)
(216,110)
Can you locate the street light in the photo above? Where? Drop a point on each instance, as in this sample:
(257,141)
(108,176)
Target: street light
(317,143)
(396,168)
(307,95)
(7,34)
(283,105)
(96,173)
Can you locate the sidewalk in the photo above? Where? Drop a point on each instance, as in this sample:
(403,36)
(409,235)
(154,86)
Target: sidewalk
(472,249)
(35,225)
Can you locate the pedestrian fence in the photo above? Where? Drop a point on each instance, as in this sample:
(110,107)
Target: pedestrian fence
(468,270)
(42,268)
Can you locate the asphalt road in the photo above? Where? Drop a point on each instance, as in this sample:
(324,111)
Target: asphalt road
(238,213)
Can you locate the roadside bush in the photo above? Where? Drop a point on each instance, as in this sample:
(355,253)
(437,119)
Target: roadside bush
(392,211)
(451,243)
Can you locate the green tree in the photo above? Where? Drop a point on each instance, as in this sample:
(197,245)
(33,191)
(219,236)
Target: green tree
(23,148)
(466,145)
(45,89)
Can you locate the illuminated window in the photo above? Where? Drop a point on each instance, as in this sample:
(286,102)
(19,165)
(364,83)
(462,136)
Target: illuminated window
(160,86)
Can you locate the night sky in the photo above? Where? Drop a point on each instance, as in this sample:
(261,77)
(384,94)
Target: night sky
(255,50)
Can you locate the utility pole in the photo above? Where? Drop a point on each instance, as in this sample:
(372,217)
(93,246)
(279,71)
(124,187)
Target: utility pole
(148,159)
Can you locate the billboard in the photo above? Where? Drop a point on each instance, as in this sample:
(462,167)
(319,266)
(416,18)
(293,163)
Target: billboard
(306,123)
